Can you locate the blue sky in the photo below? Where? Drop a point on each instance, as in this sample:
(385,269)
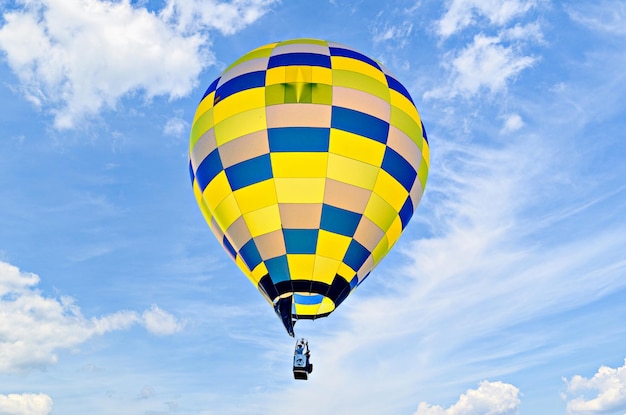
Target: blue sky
(506,294)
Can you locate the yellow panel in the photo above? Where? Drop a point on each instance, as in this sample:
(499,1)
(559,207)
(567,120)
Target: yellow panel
(256,196)
(301,266)
(380,212)
(361,82)
(354,172)
(394,232)
(332,245)
(402,102)
(350,64)
(390,190)
(257,273)
(244,268)
(289,164)
(297,73)
(381,250)
(239,102)
(205,105)
(217,190)
(356,147)
(239,125)
(227,212)
(325,269)
(407,125)
(300,190)
(327,306)
(346,272)
(200,126)
(206,212)
(307,309)
(263,221)
(322,75)
(275,76)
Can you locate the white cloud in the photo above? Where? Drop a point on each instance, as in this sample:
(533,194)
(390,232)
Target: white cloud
(160,322)
(78,57)
(176,127)
(491,398)
(463,13)
(484,64)
(607,389)
(34,327)
(25,404)
(512,122)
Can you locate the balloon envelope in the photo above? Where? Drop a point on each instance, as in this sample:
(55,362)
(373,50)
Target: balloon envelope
(307,160)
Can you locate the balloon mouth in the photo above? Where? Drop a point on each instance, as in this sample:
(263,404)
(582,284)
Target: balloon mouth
(300,290)
(304,299)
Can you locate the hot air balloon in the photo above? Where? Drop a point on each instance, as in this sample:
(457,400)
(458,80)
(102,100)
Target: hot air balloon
(307,160)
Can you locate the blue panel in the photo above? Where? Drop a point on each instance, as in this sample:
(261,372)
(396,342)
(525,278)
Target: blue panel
(250,254)
(229,248)
(406,212)
(356,255)
(339,221)
(424,132)
(211,88)
(397,86)
(208,169)
(240,83)
(360,123)
(354,55)
(399,168)
(300,241)
(278,268)
(193,176)
(249,172)
(308,299)
(295,139)
(355,281)
(292,59)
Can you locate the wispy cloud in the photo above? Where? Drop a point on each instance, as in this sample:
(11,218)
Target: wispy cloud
(463,13)
(604,393)
(81,56)
(605,16)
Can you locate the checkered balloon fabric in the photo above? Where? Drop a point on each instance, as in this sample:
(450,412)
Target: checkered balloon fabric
(308,160)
